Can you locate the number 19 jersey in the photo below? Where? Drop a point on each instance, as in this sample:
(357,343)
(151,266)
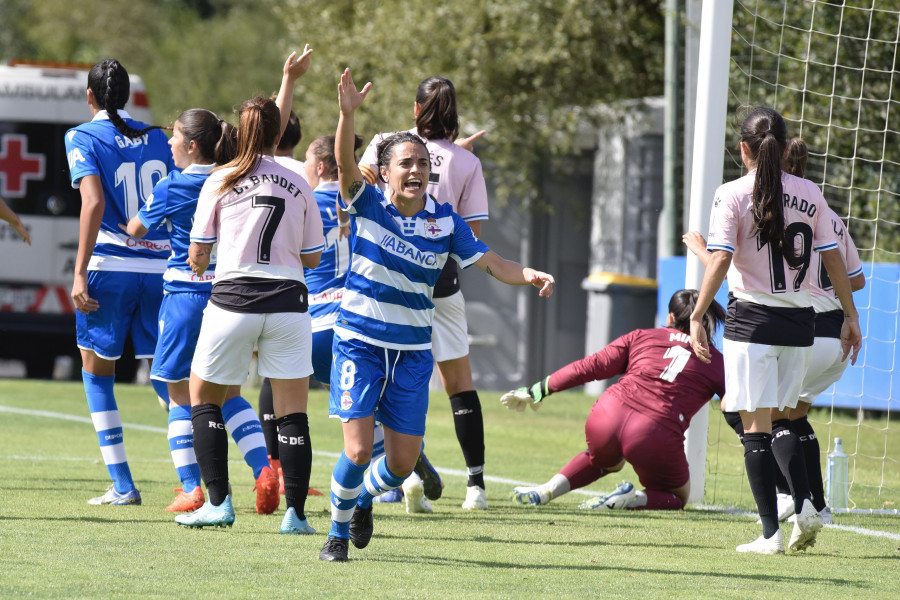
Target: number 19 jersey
(128,168)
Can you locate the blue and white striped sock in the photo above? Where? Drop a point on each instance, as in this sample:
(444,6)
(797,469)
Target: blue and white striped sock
(377,443)
(181,444)
(378,480)
(243,424)
(108,425)
(346,484)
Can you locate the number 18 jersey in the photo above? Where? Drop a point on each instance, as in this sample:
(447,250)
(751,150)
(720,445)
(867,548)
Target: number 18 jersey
(128,168)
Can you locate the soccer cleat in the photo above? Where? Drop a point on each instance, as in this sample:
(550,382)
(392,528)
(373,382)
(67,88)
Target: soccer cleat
(476,498)
(414,495)
(114,498)
(185,502)
(334,550)
(618,499)
(761,545)
(534,496)
(827,516)
(394,495)
(209,515)
(434,487)
(785,507)
(292,524)
(275,465)
(267,498)
(807,525)
(361,526)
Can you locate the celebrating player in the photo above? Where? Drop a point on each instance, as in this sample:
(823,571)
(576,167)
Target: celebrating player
(267,226)
(763,230)
(641,418)
(382,357)
(456,179)
(826,365)
(117,289)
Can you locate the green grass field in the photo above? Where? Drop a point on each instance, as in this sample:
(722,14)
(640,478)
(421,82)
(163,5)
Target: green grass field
(53,545)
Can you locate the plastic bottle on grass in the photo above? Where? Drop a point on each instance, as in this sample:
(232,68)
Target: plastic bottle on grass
(837,477)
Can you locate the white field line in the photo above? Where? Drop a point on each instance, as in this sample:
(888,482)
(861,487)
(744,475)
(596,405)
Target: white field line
(334,455)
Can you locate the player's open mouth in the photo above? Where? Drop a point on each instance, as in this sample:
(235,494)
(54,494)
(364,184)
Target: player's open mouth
(414,184)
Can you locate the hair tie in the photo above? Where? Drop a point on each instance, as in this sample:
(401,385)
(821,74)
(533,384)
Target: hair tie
(221,121)
(768,131)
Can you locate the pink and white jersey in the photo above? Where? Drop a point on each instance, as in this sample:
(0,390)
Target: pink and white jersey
(297,166)
(456,178)
(758,273)
(823,297)
(262,225)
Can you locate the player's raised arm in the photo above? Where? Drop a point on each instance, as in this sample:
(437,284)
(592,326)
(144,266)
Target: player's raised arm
(349,99)
(293,69)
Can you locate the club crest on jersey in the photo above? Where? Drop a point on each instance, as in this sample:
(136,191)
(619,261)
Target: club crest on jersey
(432,229)
(346,401)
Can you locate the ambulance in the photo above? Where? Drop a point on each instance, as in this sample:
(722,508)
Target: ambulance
(38,103)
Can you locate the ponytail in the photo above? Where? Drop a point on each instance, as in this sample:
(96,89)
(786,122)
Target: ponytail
(795,156)
(109,82)
(765,133)
(681,305)
(438,118)
(260,124)
(216,140)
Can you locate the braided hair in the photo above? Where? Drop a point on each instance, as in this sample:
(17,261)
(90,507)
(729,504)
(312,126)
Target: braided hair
(765,134)
(681,305)
(437,118)
(108,80)
(216,139)
(385,149)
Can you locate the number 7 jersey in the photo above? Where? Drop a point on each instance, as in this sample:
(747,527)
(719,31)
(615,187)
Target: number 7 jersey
(262,225)
(128,168)
(758,272)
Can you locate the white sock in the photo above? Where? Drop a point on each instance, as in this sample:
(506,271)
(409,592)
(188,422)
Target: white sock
(557,486)
(640,499)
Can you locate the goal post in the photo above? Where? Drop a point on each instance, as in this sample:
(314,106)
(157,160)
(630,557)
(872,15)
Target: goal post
(706,176)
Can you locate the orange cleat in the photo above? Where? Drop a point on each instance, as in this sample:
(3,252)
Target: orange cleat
(185,502)
(267,498)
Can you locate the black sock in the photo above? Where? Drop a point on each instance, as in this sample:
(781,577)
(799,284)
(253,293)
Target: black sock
(789,456)
(810,444)
(211,448)
(760,465)
(296,460)
(470,432)
(734,420)
(267,418)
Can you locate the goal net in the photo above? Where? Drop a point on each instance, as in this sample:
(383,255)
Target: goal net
(830,67)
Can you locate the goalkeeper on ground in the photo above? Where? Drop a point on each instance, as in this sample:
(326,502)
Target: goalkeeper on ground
(641,418)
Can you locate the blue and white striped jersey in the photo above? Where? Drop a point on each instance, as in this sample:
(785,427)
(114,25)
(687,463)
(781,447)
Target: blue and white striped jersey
(128,169)
(326,282)
(395,263)
(173,203)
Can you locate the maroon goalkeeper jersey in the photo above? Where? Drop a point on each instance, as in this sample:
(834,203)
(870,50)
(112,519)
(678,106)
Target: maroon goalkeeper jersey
(661,376)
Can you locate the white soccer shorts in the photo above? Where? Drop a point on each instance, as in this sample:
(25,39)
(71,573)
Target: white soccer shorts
(227,340)
(449,330)
(763,376)
(825,368)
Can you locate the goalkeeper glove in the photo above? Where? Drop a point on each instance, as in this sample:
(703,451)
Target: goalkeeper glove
(532,396)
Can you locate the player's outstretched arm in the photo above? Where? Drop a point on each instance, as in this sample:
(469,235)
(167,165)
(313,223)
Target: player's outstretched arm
(469,142)
(512,273)
(349,99)
(7,214)
(294,68)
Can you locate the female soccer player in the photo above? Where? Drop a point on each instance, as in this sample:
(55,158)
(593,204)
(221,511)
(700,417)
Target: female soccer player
(382,357)
(456,179)
(200,141)
(826,365)
(117,289)
(268,228)
(641,418)
(763,230)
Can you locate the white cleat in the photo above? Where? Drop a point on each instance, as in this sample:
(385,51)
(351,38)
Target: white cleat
(414,496)
(808,524)
(785,508)
(476,498)
(761,545)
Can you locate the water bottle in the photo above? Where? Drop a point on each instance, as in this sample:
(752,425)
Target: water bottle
(837,477)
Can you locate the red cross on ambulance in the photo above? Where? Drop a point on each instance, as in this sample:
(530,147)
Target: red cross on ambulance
(17,165)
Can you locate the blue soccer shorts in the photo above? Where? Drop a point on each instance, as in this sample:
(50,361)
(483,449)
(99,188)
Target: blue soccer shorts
(321,355)
(391,384)
(129,303)
(180,317)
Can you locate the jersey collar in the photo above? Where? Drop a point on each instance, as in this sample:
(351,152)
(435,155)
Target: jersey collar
(104,116)
(199,169)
